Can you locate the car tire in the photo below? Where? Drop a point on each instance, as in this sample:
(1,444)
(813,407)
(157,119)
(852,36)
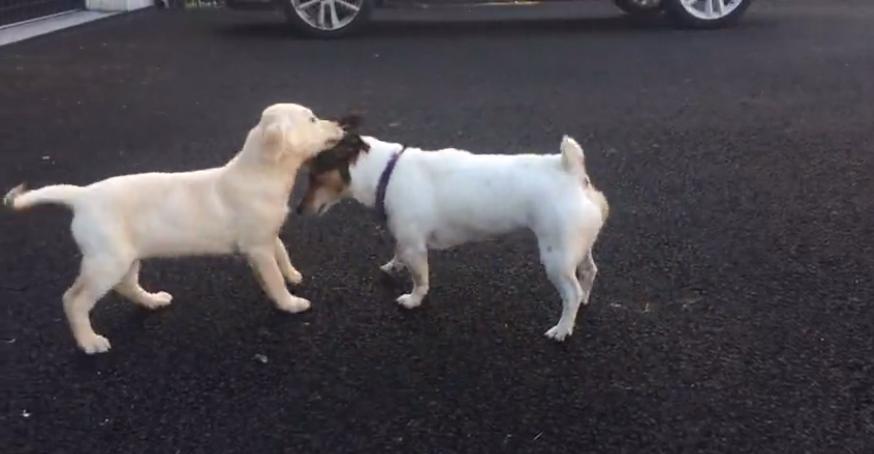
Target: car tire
(638,8)
(304,26)
(684,15)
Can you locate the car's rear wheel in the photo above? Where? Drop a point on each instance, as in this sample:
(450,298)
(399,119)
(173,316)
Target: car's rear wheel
(327,18)
(640,8)
(705,14)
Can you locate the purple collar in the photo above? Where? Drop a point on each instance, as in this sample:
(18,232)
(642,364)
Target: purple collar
(383,184)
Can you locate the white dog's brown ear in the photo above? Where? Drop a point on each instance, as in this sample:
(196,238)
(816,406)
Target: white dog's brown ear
(350,122)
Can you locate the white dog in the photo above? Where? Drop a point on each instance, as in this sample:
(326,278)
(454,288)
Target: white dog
(440,199)
(239,207)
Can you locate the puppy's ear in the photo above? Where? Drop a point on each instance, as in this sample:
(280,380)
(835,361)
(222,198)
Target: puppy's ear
(277,139)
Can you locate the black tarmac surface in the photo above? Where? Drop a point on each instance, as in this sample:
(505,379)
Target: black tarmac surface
(732,312)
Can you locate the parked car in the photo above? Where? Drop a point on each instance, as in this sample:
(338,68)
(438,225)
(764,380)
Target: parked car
(341,18)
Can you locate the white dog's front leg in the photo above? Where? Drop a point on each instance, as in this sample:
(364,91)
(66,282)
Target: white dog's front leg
(263,260)
(416,259)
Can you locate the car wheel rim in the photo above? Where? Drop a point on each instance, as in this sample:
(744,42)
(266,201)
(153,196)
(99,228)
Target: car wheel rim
(710,9)
(328,15)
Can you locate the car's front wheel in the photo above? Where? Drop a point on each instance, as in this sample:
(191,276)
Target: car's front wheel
(327,18)
(705,14)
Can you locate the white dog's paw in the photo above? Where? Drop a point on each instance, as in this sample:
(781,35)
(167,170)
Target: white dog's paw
(94,343)
(158,300)
(388,268)
(294,305)
(409,301)
(293,276)
(392,267)
(559,332)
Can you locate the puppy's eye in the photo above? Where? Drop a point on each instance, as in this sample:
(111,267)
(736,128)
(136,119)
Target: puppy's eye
(312,119)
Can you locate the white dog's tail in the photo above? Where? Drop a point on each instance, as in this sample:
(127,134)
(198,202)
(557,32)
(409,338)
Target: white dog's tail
(19,198)
(600,200)
(574,160)
(572,157)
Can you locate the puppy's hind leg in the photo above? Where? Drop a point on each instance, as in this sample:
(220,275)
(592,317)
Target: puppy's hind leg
(561,270)
(263,261)
(98,275)
(130,288)
(292,275)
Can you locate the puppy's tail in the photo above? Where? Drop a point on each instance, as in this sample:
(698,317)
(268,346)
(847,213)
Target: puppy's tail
(19,198)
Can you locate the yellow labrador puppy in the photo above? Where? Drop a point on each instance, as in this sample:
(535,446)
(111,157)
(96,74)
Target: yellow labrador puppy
(239,207)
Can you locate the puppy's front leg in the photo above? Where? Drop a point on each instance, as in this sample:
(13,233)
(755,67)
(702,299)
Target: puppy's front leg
(263,260)
(416,259)
(288,270)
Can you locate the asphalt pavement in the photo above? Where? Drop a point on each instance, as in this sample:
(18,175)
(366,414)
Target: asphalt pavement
(733,308)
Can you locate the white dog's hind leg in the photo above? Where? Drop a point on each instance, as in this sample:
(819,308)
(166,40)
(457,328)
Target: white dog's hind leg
(586,272)
(97,277)
(416,260)
(393,266)
(571,295)
(292,275)
(130,288)
(263,261)
(562,274)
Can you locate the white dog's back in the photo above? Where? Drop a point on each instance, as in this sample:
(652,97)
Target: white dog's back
(460,196)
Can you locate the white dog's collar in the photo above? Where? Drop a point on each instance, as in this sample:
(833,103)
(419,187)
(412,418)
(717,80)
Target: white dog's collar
(382,185)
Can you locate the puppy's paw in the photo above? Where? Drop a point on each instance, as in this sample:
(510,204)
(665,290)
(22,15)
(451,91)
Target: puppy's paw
(158,300)
(559,332)
(409,301)
(93,344)
(9,198)
(294,304)
(293,276)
